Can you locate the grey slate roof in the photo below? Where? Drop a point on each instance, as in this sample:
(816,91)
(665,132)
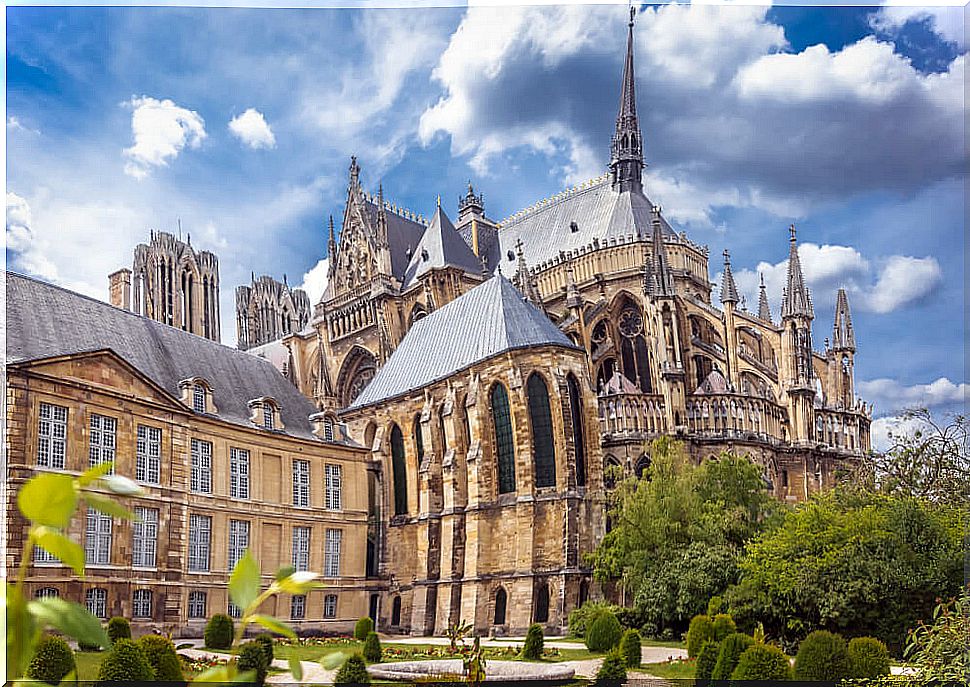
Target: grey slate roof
(599,211)
(402,234)
(45,321)
(441,246)
(488,320)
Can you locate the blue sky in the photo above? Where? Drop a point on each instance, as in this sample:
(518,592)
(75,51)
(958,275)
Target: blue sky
(239,124)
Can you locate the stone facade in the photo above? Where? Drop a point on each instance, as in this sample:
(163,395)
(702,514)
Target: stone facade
(268,310)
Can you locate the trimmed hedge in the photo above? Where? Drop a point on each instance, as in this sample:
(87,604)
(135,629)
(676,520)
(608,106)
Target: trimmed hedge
(372,648)
(267,644)
(605,632)
(762,662)
(353,672)
(218,632)
(118,628)
(700,630)
(630,648)
(532,649)
(730,652)
(723,626)
(706,660)
(363,628)
(161,656)
(125,662)
(53,660)
(822,655)
(252,657)
(612,670)
(868,657)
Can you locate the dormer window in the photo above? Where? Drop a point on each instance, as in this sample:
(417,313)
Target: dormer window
(325,426)
(198,398)
(267,416)
(265,412)
(197,395)
(328,429)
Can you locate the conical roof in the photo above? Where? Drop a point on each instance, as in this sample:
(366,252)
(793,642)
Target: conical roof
(797,301)
(441,246)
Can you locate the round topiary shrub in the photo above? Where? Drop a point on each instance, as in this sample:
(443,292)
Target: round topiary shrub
(604,634)
(630,648)
(52,661)
(532,649)
(218,632)
(372,648)
(723,626)
(762,662)
(363,628)
(118,628)
(353,672)
(706,660)
(700,630)
(252,658)
(868,657)
(727,657)
(580,619)
(267,644)
(822,655)
(125,662)
(161,656)
(613,669)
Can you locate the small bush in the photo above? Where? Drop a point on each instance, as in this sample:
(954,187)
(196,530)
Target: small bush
(762,662)
(372,648)
(252,657)
(727,657)
(161,656)
(52,661)
(532,649)
(868,657)
(125,662)
(218,632)
(612,670)
(118,628)
(353,672)
(714,605)
(84,646)
(266,642)
(700,630)
(604,634)
(630,648)
(363,628)
(723,626)
(706,660)
(822,655)
(580,619)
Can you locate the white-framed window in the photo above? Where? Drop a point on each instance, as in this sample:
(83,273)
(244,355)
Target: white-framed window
(198,398)
(148,455)
(44,557)
(334,474)
(330,606)
(200,533)
(234,610)
(331,563)
(238,473)
(141,603)
(201,477)
(97,540)
(328,430)
(47,593)
(197,604)
(144,535)
(301,548)
(301,482)
(268,422)
(298,607)
(52,436)
(238,541)
(103,439)
(96,601)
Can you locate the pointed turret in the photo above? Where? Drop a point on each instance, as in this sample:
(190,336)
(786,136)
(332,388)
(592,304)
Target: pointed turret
(658,280)
(843,337)
(331,249)
(441,246)
(764,310)
(797,302)
(381,217)
(729,290)
(523,278)
(626,157)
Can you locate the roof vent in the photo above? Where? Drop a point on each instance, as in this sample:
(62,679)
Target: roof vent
(511,256)
(424,255)
(409,252)
(573,227)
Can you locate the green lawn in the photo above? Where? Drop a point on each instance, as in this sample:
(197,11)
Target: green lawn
(645,641)
(88,663)
(668,669)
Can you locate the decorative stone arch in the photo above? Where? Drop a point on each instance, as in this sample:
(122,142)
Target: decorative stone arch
(418,311)
(499,605)
(358,369)
(641,466)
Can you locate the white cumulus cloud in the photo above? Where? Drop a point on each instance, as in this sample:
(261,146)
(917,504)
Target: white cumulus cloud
(21,241)
(947,22)
(161,130)
(315,281)
(251,128)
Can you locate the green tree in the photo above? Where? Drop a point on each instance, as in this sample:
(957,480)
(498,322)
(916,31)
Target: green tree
(939,649)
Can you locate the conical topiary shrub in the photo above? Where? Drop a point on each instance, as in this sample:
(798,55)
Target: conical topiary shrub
(630,648)
(218,632)
(125,662)
(372,648)
(161,656)
(605,632)
(353,672)
(53,660)
(532,649)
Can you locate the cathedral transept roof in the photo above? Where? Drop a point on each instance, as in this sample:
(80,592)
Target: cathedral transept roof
(441,246)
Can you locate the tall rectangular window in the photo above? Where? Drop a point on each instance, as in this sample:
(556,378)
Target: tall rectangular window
(51,436)
(101,443)
(331,563)
(234,610)
(301,548)
(198,398)
(238,473)
(97,542)
(141,603)
(298,607)
(333,476)
(148,455)
(301,482)
(144,537)
(42,556)
(238,540)
(197,604)
(201,477)
(330,606)
(96,601)
(268,416)
(200,533)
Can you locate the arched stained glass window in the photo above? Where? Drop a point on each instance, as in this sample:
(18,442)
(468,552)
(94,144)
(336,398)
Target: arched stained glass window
(543,449)
(504,440)
(418,439)
(579,434)
(400,470)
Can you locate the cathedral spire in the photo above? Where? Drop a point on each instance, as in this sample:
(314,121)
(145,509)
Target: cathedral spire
(764,310)
(729,290)
(843,337)
(796,302)
(626,155)
(332,248)
(659,282)
(523,278)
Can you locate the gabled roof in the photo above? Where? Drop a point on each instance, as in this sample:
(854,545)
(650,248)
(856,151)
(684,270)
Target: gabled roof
(441,246)
(488,320)
(714,383)
(44,321)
